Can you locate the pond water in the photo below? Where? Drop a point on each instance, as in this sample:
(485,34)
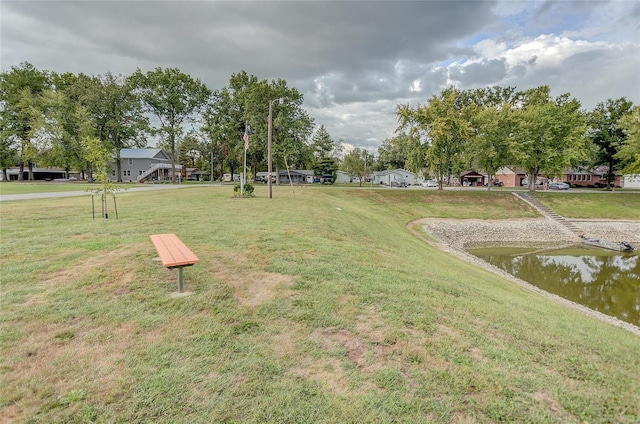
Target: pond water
(603,280)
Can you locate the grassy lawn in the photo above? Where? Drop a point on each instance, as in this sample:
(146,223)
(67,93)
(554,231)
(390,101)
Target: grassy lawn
(315,306)
(597,205)
(28,187)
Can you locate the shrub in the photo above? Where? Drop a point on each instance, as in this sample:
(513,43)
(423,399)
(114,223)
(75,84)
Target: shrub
(248,190)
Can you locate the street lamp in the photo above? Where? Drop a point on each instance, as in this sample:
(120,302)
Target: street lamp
(269,133)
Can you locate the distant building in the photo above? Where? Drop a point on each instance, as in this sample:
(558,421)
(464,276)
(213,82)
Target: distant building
(511,176)
(140,165)
(631,181)
(393,176)
(596,177)
(39,174)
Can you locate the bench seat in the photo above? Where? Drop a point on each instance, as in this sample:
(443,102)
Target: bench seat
(173,253)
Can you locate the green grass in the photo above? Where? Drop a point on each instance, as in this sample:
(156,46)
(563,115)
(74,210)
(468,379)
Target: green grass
(318,305)
(597,205)
(27,187)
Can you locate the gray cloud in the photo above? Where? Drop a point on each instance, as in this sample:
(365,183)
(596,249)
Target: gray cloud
(354,61)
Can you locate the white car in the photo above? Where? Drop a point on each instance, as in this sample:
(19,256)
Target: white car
(429,183)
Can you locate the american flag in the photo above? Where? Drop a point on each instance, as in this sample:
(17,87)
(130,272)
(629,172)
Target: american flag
(245,137)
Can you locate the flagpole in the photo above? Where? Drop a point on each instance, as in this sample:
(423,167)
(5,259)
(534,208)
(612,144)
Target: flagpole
(244,176)
(245,138)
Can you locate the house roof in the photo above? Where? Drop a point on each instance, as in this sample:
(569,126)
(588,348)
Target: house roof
(143,154)
(16,170)
(511,170)
(297,171)
(392,171)
(467,173)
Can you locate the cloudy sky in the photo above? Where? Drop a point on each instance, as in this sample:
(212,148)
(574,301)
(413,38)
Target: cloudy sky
(354,61)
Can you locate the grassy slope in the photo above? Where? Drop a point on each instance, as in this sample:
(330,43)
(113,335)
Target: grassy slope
(316,308)
(597,205)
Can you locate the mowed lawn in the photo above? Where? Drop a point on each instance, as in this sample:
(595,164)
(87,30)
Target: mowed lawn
(316,306)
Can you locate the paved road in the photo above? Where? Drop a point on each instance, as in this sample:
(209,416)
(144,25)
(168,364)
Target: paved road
(28,196)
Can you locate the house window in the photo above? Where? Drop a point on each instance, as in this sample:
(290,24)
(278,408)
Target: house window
(113,172)
(130,161)
(140,172)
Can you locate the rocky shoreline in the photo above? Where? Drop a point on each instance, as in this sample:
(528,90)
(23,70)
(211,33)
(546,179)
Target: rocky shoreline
(457,235)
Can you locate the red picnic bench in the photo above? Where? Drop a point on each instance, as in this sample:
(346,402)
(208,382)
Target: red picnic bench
(173,253)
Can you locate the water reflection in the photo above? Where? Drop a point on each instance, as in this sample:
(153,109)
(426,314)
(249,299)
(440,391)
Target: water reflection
(602,280)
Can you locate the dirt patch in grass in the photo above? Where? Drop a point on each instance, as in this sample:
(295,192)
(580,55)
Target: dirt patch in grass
(251,288)
(326,371)
(553,405)
(112,262)
(56,365)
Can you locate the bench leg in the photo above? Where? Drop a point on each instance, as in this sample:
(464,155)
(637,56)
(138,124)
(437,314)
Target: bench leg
(180,285)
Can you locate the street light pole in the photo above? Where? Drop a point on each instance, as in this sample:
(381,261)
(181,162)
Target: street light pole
(269,133)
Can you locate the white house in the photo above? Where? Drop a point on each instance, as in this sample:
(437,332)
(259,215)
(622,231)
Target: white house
(298,176)
(344,177)
(631,181)
(393,175)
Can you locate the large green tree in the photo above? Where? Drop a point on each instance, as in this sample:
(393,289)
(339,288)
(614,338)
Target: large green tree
(22,103)
(232,111)
(59,139)
(491,116)
(629,153)
(358,164)
(393,152)
(113,111)
(325,151)
(172,96)
(550,134)
(443,127)
(607,133)
(245,102)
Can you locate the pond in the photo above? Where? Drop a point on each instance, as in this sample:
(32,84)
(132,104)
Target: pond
(603,280)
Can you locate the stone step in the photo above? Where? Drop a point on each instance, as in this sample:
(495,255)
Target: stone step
(549,212)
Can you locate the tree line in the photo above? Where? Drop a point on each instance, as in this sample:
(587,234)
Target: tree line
(63,119)
(489,128)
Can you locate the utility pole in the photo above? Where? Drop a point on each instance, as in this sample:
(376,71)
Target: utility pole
(269,134)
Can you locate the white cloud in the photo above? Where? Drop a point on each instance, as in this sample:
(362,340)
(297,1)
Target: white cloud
(353,61)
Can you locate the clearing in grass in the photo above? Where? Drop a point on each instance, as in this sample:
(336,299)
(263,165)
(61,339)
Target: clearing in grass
(314,306)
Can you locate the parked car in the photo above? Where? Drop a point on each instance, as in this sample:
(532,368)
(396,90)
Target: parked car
(399,183)
(429,183)
(558,186)
(495,183)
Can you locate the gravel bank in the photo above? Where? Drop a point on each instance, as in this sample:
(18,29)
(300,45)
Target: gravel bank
(455,235)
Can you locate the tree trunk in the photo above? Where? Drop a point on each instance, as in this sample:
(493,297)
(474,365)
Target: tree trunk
(30,177)
(118,169)
(89,172)
(172,138)
(21,171)
(5,177)
(610,177)
(533,174)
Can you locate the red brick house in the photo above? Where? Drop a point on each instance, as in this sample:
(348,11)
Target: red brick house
(511,176)
(596,177)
